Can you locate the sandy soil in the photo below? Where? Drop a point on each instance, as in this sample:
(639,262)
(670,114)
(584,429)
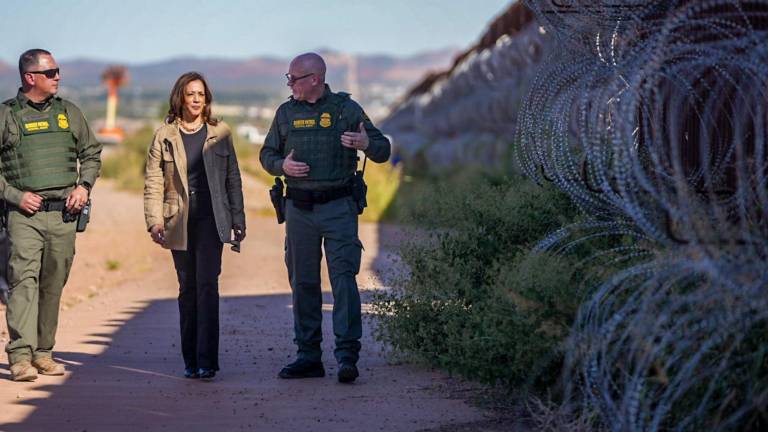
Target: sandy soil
(118,335)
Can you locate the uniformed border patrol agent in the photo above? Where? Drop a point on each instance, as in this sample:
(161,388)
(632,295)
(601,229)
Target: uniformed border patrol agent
(313,142)
(42,138)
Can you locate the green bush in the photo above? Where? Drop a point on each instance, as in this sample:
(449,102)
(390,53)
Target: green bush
(125,164)
(474,300)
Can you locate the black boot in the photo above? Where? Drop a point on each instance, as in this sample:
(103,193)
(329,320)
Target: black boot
(303,369)
(347,372)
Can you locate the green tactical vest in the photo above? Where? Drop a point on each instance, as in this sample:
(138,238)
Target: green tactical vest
(46,156)
(314,135)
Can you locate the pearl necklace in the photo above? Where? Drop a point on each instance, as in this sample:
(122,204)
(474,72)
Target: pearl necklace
(192,129)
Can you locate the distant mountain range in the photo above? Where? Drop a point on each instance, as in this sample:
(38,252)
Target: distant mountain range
(258,74)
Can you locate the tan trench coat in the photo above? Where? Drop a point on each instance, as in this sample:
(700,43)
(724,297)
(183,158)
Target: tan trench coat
(166,189)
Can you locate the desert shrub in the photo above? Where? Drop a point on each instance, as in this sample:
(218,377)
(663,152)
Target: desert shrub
(474,299)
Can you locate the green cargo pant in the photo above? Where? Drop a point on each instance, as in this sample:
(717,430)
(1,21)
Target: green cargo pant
(42,250)
(333,226)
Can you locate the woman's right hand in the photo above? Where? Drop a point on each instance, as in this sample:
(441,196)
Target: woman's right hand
(157,232)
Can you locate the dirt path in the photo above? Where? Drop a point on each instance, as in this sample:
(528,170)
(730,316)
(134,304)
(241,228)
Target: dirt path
(119,337)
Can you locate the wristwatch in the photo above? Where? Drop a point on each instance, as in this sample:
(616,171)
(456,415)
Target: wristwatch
(87,186)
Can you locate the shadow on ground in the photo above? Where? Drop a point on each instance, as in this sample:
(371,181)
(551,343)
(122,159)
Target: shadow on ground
(135,382)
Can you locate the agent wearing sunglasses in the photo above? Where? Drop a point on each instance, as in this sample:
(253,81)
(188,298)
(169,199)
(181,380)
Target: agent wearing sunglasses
(42,139)
(313,142)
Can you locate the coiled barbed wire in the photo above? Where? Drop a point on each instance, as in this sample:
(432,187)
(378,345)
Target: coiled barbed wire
(471,113)
(652,116)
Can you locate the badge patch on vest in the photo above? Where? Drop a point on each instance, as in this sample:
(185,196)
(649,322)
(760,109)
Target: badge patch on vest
(325,120)
(63,122)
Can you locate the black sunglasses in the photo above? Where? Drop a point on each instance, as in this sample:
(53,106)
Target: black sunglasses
(49,73)
(292,79)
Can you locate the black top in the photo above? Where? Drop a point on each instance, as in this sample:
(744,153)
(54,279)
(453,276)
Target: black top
(193,147)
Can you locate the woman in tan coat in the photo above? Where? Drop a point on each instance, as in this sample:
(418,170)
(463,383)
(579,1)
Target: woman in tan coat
(193,204)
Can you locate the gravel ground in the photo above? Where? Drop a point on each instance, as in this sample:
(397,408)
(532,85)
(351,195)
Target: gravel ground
(118,335)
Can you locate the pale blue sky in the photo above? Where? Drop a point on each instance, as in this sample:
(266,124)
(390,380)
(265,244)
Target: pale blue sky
(141,31)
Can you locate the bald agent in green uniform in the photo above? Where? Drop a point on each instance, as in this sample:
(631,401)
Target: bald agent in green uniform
(313,142)
(42,139)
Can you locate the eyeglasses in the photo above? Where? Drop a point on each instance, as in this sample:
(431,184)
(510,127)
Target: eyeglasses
(292,79)
(49,73)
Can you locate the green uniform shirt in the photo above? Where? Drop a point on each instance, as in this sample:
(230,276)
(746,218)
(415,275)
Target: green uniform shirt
(273,152)
(88,149)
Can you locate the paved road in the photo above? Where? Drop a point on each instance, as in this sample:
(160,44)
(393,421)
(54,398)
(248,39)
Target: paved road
(119,337)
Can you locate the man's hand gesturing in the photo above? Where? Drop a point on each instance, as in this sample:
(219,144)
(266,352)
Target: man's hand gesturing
(356,140)
(293,168)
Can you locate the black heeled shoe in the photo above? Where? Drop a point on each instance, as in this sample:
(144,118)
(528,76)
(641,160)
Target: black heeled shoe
(205,373)
(191,373)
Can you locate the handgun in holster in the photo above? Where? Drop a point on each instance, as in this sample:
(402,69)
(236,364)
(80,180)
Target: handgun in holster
(360,189)
(277,197)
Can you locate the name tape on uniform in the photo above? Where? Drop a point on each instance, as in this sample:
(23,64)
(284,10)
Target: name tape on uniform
(36,126)
(304,123)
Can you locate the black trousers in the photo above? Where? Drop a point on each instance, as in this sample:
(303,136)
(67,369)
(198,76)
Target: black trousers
(198,270)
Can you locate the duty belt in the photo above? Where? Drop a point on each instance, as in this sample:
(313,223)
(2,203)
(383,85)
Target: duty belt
(317,196)
(53,205)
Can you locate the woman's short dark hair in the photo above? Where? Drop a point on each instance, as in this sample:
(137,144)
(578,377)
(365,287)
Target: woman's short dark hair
(176,101)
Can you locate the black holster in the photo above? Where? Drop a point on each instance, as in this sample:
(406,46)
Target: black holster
(359,191)
(84,217)
(278,199)
(81,218)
